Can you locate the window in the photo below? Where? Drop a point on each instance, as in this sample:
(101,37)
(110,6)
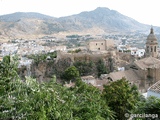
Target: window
(155,49)
(98,48)
(147,48)
(101,43)
(151,49)
(96,43)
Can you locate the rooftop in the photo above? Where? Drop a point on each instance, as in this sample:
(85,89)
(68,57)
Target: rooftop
(155,87)
(128,74)
(149,62)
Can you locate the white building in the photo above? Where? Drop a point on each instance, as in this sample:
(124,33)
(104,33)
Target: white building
(89,79)
(122,48)
(25,62)
(121,68)
(138,52)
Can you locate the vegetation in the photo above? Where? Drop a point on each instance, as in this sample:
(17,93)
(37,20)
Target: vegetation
(29,99)
(73,36)
(51,101)
(148,106)
(84,68)
(71,73)
(110,62)
(75,51)
(89,104)
(42,57)
(121,97)
(8,73)
(73,41)
(101,68)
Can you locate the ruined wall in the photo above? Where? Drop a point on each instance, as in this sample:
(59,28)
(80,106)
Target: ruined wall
(44,70)
(83,56)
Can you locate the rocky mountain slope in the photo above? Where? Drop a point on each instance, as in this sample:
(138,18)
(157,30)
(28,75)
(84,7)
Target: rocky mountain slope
(99,21)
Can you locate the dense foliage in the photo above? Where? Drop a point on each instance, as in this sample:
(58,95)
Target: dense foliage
(121,97)
(85,68)
(8,73)
(51,101)
(30,100)
(89,104)
(101,67)
(75,51)
(42,57)
(149,106)
(71,73)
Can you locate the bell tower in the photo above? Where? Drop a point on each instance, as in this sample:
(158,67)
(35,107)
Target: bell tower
(152,45)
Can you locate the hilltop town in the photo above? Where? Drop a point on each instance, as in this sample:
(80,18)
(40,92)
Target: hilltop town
(96,65)
(123,56)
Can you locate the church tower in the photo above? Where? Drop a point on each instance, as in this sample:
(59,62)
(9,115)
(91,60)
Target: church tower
(152,45)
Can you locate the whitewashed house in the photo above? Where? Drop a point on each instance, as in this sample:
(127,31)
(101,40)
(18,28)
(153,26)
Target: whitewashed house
(138,52)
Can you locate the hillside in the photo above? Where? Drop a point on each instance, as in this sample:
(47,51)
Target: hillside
(20,15)
(99,21)
(103,18)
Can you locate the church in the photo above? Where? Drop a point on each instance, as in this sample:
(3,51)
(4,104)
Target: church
(144,72)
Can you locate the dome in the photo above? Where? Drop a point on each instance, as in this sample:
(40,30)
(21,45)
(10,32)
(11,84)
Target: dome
(151,37)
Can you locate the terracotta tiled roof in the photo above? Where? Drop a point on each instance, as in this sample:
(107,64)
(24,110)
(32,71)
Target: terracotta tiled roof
(155,87)
(149,62)
(128,74)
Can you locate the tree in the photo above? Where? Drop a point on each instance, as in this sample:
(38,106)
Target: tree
(110,62)
(84,68)
(49,100)
(120,97)
(151,105)
(89,105)
(71,73)
(101,68)
(8,72)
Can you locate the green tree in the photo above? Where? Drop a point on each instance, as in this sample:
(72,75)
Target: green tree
(71,73)
(8,72)
(110,62)
(121,97)
(84,68)
(101,68)
(89,105)
(49,100)
(151,105)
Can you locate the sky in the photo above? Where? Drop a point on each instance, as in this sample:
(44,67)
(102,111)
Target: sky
(144,11)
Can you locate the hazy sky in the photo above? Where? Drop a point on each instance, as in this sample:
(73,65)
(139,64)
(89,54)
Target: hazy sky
(144,11)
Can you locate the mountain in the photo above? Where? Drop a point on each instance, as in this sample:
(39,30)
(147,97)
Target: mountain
(30,25)
(99,21)
(20,15)
(103,18)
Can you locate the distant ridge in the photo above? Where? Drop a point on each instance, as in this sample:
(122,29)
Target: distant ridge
(99,21)
(20,15)
(104,18)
